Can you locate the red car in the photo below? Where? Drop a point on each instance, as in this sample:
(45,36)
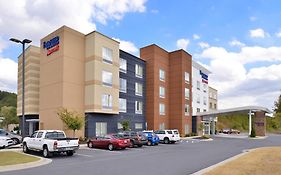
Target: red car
(111,141)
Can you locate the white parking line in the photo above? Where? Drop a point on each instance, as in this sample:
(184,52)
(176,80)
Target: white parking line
(84,155)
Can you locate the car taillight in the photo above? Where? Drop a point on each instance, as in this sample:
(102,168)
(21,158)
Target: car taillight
(55,145)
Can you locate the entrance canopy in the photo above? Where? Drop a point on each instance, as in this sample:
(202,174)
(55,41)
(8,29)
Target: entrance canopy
(244,109)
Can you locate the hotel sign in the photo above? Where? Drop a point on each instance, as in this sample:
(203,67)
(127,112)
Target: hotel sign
(52,45)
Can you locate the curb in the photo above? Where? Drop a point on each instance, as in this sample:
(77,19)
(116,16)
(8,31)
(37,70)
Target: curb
(205,170)
(42,161)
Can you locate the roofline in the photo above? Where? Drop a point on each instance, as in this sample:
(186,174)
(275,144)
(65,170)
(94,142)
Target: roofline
(198,65)
(132,55)
(102,35)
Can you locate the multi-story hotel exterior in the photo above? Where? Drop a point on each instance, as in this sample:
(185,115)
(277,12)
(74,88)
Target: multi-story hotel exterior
(168,88)
(200,90)
(89,74)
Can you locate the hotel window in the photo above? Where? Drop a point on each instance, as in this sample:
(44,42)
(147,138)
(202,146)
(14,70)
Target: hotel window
(139,71)
(211,106)
(162,92)
(119,125)
(162,75)
(186,109)
(186,93)
(162,109)
(186,77)
(107,55)
(204,87)
(186,129)
(138,89)
(123,85)
(107,78)
(138,125)
(204,100)
(122,105)
(161,126)
(198,99)
(101,128)
(198,109)
(106,101)
(198,85)
(123,65)
(138,107)
(215,96)
(215,106)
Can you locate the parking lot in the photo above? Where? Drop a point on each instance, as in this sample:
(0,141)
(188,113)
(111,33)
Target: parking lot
(184,157)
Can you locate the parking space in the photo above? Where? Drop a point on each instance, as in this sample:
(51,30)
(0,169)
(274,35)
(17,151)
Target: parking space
(185,157)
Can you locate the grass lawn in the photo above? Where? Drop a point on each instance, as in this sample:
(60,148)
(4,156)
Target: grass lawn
(262,161)
(12,158)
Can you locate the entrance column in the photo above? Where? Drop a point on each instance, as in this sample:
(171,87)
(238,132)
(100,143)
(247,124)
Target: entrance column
(250,122)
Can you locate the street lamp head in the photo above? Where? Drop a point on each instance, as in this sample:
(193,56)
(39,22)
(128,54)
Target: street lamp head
(15,40)
(26,41)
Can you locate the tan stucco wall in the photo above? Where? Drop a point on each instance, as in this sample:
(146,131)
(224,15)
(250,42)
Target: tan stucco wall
(32,68)
(62,78)
(212,99)
(94,66)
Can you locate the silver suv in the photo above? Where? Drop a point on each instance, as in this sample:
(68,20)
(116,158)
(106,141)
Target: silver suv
(17,139)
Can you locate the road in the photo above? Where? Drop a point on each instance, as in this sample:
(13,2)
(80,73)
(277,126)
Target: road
(181,158)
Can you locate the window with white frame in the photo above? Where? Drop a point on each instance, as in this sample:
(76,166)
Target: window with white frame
(186,93)
(107,78)
(162,109)
(139,71)
(186,109)
(122,105)
(204,100)
(161,126)
(161,92)
(123,65)
(138,126)
(161,75)
(107,54)
(138,107)
(204,87)
(101,128)
(138,89)
(106,101)
(123,85)
(198,99)
(119,125)
(186,77)
(198,85)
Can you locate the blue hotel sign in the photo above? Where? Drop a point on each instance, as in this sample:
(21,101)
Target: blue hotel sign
(52,45)
(204,77)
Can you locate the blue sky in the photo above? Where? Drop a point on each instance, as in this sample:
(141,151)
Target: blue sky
(239,41)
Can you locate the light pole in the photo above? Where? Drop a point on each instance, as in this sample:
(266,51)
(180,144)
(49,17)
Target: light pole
(23,42)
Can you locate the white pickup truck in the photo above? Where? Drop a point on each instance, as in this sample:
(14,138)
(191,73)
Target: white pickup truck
(49,142)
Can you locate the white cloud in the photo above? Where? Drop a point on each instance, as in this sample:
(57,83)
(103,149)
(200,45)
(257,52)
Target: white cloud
(155,11)
(195,36)
(8,74)
(278,34)
(127,46)
(253,18)
(203,45)
(238,86)
(236,43)
(35,19)
(182,43)
(258,33)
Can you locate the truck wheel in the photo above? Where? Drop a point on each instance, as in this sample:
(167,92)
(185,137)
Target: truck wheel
(69,153)
(25,148)
(166,140)
(110,147)
(149,143)
(46,152)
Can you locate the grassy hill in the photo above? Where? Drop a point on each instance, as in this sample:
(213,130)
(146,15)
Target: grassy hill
(8,99)
(240,122)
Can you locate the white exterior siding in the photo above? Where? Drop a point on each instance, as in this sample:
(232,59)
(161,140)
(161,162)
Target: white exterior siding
(199,93)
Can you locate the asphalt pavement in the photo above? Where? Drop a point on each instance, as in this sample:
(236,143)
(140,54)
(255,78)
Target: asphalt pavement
(185,157)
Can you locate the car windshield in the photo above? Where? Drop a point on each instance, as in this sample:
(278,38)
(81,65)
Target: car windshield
(54,135)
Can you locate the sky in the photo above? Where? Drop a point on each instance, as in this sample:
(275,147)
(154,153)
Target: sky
(238,41)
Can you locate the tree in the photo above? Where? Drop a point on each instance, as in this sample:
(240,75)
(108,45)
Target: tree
(9,115)
(277,105)
(126,125)
(72,119)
